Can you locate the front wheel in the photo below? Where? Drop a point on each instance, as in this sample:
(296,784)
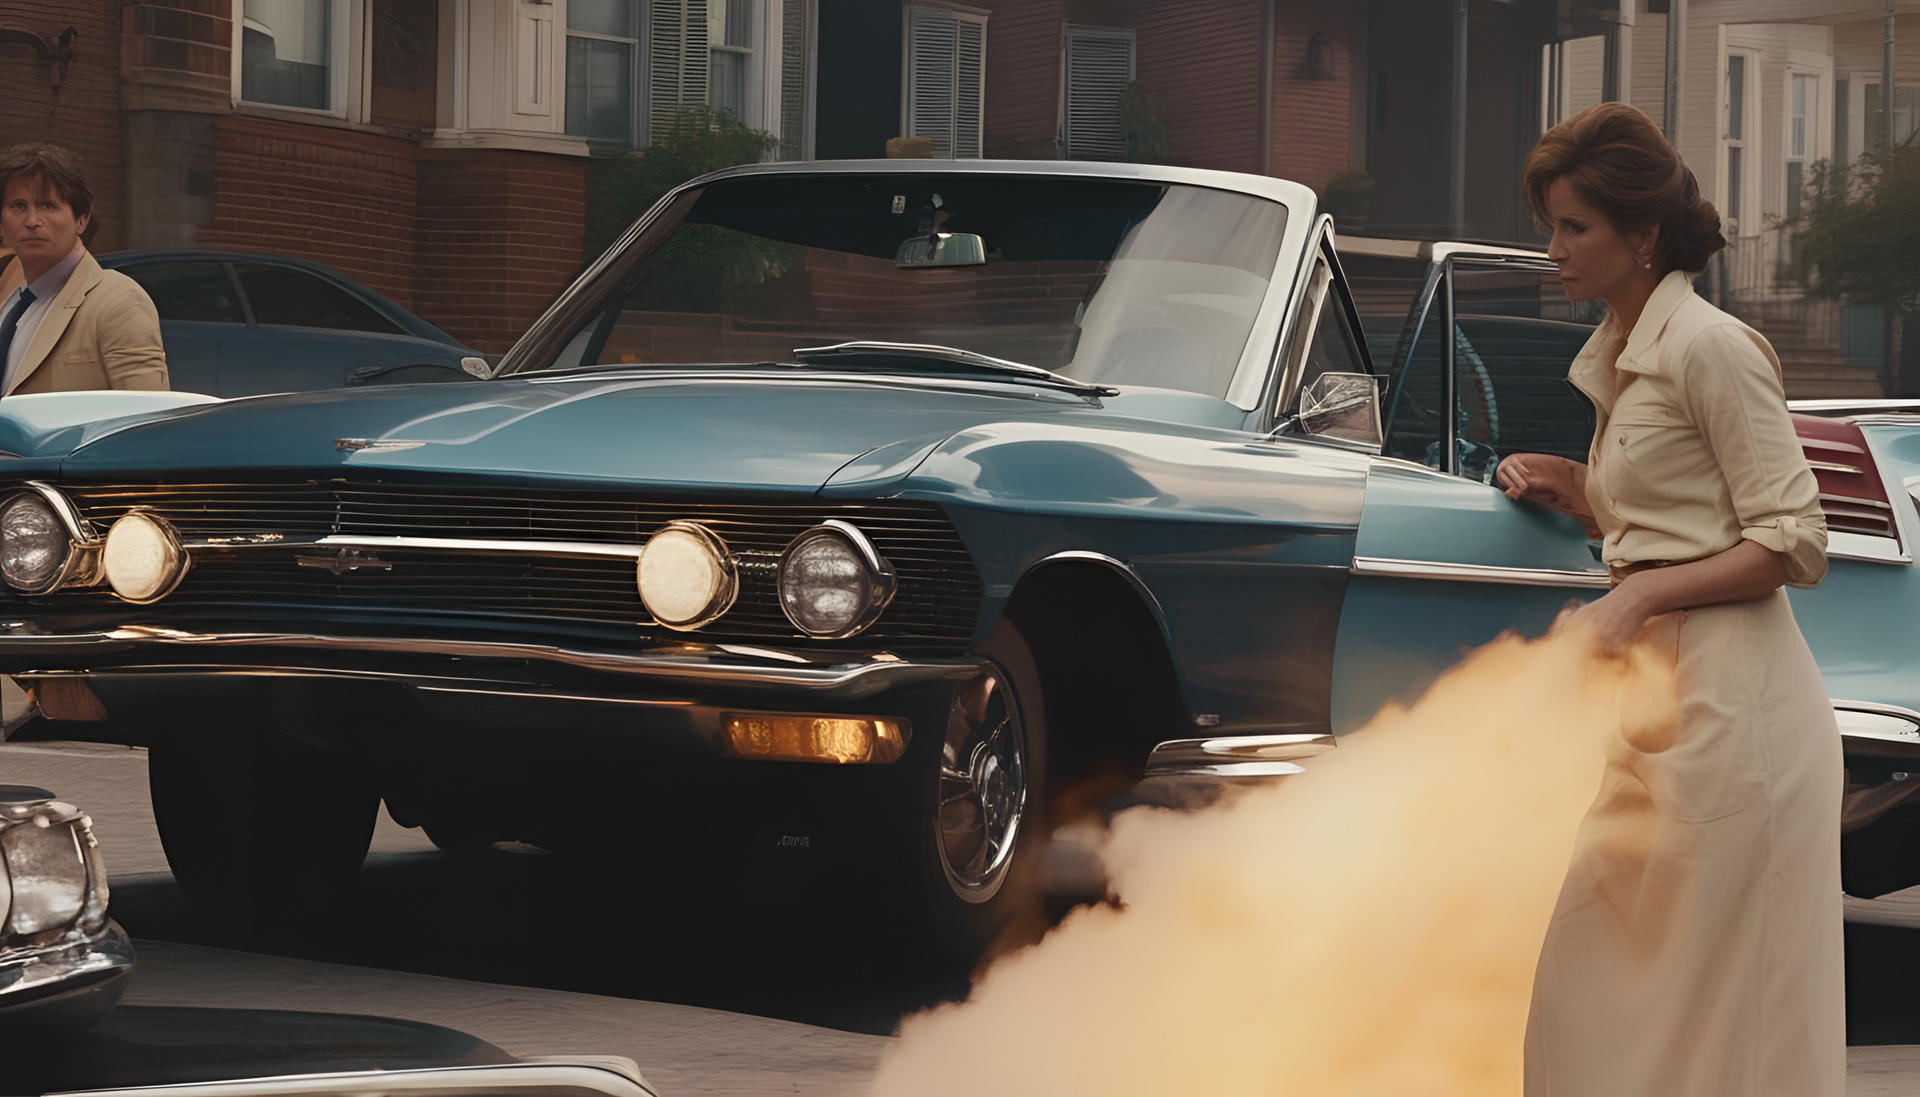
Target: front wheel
(985,803)
(262,831)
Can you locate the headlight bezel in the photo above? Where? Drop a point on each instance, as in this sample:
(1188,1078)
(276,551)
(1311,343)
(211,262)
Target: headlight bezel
(175,561)
(80,567)
(725,590)
(881,585)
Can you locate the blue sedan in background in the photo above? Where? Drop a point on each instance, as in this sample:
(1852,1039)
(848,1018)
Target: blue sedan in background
(245,324)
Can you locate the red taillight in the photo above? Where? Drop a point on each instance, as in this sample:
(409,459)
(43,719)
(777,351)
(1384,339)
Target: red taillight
(1851,492)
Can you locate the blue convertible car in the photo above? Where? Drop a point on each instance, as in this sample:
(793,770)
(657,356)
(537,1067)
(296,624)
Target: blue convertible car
(858,514)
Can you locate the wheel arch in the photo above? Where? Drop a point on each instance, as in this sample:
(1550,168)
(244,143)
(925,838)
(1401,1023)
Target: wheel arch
(1106,663)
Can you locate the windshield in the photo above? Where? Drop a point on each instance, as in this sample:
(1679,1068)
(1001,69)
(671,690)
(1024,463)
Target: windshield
(1109,282)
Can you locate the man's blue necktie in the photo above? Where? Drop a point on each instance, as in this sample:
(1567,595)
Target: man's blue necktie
(11,325)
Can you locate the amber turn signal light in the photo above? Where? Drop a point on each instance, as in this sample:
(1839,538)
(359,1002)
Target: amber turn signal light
(843,740)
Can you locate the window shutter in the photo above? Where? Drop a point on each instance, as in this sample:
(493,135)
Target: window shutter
(1099,67)
(931,41)
(970,79)
(677,60)
(946,79)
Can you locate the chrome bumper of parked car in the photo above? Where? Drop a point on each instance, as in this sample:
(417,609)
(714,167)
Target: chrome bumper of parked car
(34,979)
(729,667)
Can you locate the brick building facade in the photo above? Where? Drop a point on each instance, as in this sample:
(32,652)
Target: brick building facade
(427,150)
(458,203)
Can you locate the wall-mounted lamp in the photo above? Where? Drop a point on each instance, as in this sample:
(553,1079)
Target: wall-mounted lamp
(57,55)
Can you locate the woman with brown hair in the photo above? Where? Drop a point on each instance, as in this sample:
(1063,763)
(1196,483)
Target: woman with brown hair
(1696,946)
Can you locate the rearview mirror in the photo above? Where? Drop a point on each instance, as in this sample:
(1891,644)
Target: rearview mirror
(942,249)
(1342,405)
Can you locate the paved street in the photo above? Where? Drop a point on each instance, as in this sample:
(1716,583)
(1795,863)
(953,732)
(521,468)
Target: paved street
(468,947)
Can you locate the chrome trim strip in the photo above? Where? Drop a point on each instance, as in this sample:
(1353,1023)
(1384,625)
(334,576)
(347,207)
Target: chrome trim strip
(1849,499)
(578,550)
(1829,466)
(1871,548)
(1446,249)
(1480,573)
(1230,769)
(639,701)
(853,676)
(1237,755)
(506,1079)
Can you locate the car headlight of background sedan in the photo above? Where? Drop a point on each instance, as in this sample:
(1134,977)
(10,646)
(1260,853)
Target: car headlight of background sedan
(34,544)
(832,581)
(686,575)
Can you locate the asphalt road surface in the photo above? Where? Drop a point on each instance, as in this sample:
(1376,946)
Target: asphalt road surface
(542,955)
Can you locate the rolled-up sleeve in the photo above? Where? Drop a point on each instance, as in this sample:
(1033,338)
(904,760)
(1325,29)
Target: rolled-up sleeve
(1735,399)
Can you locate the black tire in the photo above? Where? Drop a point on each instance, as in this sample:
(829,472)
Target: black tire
(980,893)
(264,832)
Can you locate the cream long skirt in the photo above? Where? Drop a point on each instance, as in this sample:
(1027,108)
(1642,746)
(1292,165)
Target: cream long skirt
(1696,947)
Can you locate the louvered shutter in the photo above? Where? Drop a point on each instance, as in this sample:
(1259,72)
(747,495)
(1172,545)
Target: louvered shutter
(946,79)
(931,38)
(1099,67)
(970,86)
(677,60)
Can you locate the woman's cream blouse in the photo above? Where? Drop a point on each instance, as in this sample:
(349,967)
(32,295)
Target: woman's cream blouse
(1693,448)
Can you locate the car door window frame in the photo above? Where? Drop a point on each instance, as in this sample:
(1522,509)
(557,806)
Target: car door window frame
(240,293)
(1438,292)
(1315,293)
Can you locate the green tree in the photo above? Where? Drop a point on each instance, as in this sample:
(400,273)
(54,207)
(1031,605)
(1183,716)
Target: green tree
(699,269)
(1857,238)
(1143,118)
(701,139)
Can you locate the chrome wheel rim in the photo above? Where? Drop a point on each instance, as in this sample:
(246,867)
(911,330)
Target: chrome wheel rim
(983,788)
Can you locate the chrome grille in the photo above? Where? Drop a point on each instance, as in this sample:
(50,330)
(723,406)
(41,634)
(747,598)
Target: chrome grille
(935,609)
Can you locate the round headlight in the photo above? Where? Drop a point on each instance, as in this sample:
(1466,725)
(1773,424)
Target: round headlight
(142,557)
(832,582)
(686,576)
(33,544)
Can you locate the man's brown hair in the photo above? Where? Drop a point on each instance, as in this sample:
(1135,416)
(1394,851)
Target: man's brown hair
(1617,161)
(52,165)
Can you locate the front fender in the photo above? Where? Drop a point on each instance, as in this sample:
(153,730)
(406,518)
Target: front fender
(1243,543)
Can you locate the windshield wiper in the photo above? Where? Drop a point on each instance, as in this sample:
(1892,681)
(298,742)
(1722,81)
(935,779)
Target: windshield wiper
(874,350)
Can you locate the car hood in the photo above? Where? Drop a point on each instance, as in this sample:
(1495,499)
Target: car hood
(747,432)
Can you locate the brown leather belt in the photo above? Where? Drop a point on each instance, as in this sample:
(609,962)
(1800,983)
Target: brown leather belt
(1619,572)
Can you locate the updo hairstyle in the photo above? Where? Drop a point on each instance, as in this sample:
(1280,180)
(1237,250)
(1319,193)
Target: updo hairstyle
(1618,162)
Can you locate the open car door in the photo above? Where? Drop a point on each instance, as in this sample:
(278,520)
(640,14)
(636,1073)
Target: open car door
(1444,560)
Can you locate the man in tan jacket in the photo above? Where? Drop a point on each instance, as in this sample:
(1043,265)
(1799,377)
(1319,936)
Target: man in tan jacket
(68,325)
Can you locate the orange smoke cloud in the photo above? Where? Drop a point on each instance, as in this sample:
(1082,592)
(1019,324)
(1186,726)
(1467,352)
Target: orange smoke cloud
(1366,929)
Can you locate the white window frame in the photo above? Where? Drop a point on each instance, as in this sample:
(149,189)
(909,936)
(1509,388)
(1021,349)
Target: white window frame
(1751,116)
(961,14)
(637,134)
(762,49)
(347,71)
(1069,32)
(1816,135)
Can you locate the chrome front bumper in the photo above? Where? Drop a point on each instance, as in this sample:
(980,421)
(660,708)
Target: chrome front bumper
(68,983)
(730,668)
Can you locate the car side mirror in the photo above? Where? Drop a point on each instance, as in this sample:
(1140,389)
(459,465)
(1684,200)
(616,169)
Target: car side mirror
(1342,405)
